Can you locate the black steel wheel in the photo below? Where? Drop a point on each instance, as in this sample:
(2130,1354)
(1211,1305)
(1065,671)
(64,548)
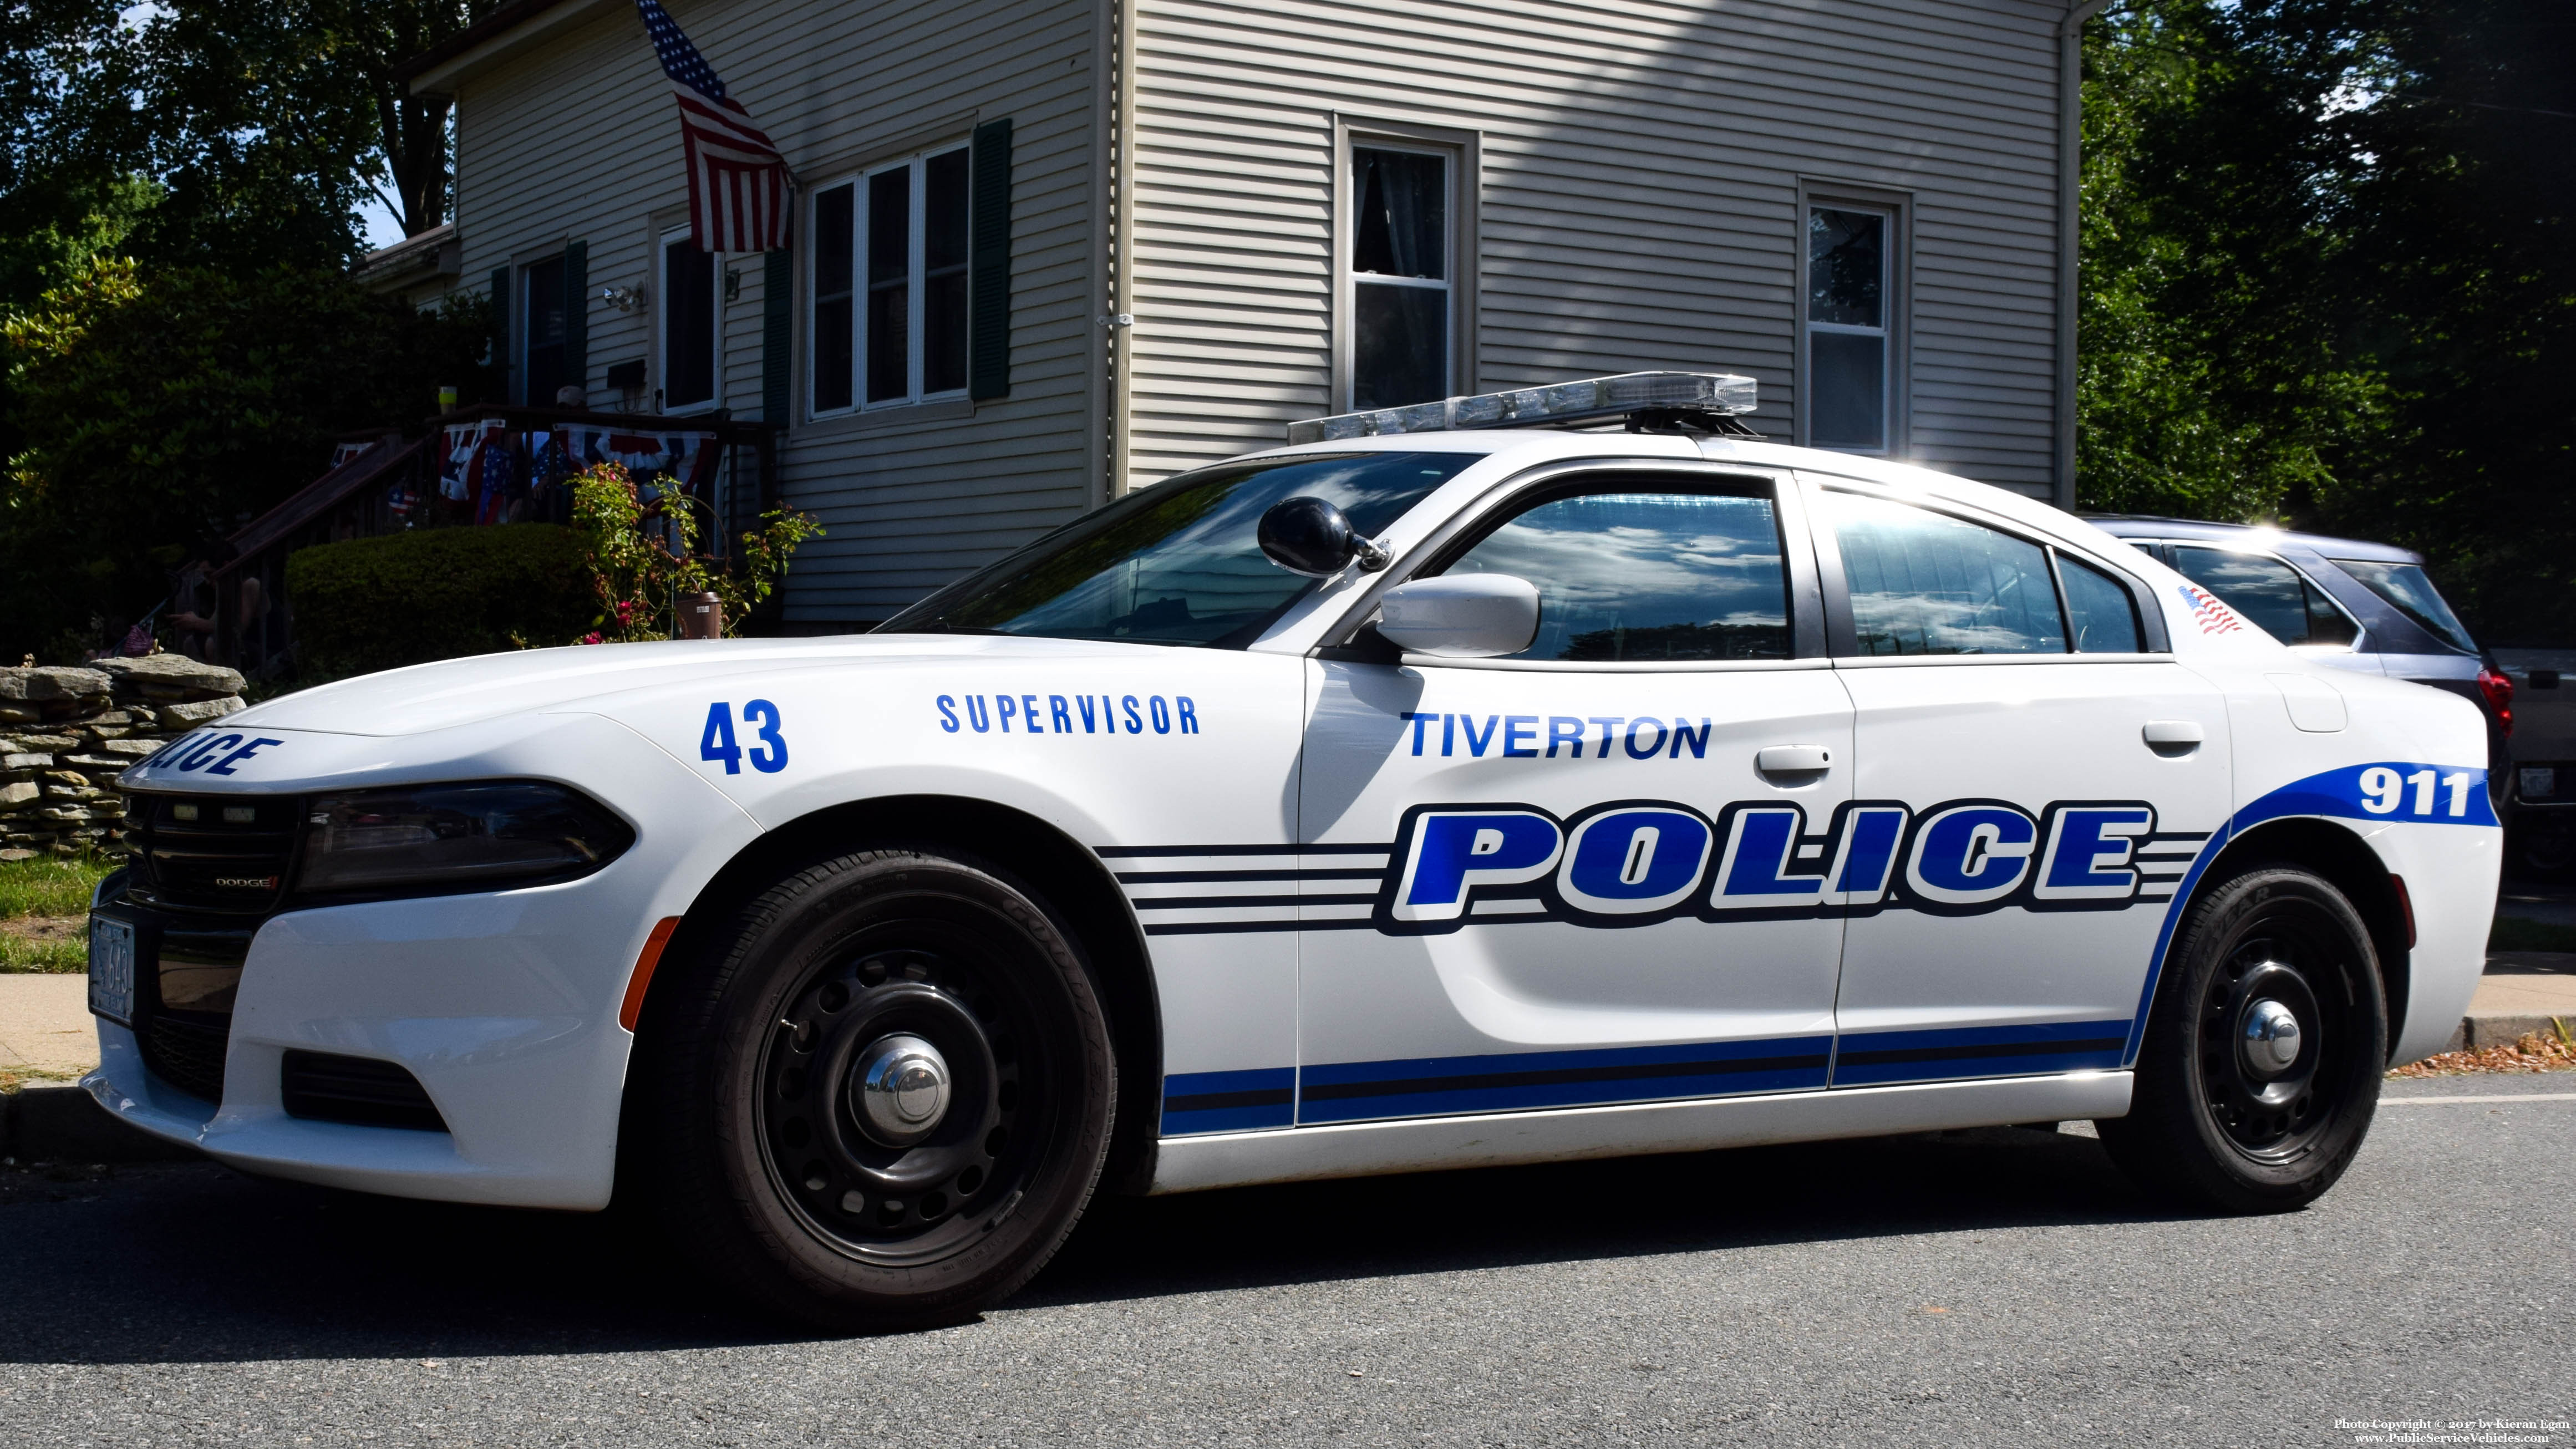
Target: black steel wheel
(2260,1070)
(884,1097)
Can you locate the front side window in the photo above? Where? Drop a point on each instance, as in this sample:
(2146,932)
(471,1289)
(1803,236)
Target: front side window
(2409,590)
(1180,562)
(1849,333)
(1401,282)
(545,356)
(2276,597)
(888,309)
(1926,583)
(1646,576)
(688,323)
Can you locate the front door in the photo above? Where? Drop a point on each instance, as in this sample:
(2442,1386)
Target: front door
(1565,877)
(2004,691)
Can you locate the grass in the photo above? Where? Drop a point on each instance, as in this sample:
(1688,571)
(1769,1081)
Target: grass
(36,897)
(2512,933)
(50,885)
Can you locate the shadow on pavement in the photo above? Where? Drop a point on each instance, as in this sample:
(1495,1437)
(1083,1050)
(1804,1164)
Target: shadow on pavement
(194,1263)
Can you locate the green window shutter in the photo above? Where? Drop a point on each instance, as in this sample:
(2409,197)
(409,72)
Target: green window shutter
(576,317)
(988,373)
(502,363)
(777,334)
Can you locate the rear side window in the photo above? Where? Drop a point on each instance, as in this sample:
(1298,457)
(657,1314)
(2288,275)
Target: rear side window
(1926,583)
(2101,616)
(2279,601)
(1646,576)
(2410,592)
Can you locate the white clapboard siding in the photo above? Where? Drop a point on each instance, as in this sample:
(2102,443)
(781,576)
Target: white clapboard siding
(1640,174)
(576,137)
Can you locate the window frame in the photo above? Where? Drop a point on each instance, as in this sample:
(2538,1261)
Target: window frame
(1349,637)
(1461,150)
(1897,375)
(916,302)
(523,318)
(1843,631)
(664,315)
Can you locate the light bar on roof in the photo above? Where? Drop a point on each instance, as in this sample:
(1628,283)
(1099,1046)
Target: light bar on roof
(1565,402)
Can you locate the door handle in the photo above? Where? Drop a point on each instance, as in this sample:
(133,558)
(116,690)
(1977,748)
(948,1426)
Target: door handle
(1793,759)
(2173,736)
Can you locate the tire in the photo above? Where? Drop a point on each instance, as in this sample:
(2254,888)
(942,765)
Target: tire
(787,1178)
(2216,1120)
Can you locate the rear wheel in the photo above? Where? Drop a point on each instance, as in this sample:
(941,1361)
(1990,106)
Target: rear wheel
(2261,1065)
(884,1097)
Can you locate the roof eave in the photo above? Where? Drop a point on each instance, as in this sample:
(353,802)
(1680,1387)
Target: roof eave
(496,38)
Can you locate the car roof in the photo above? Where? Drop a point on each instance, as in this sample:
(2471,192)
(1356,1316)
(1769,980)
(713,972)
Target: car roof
(2148,525)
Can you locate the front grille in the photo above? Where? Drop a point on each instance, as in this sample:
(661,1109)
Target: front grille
(227,853)
(189,1055)
(326,1087)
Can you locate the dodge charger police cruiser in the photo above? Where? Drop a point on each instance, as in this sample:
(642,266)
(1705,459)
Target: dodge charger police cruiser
(1539,775)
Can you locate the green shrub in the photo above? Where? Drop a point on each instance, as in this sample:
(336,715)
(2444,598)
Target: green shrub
(438,593)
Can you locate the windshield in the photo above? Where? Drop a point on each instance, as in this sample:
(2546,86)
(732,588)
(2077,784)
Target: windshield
(1178,563)
(2409,592)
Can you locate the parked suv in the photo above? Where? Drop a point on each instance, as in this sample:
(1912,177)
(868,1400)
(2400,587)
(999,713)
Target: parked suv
(2355,605)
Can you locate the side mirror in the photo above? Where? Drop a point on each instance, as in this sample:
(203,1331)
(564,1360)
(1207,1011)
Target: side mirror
(1310,536)
(1465,616)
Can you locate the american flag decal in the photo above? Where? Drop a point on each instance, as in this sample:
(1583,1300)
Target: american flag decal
(738,182)
(2214,617)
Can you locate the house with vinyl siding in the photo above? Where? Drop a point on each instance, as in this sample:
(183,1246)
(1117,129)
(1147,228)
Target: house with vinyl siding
(1049,251)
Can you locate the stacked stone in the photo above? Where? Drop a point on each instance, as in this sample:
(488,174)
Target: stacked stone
(67,733)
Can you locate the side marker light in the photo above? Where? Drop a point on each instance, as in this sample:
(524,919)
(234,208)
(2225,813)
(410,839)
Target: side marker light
(643,977)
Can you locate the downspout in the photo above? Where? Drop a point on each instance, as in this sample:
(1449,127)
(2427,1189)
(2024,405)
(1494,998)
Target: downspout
(2070,226)
(1120,320)
(1106,72)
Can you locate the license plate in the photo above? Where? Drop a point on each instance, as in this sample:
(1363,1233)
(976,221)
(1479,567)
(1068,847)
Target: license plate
(2539,782)
(111,969)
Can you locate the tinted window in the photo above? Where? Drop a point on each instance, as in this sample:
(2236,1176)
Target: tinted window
(2407,590)
(2267,591)
(1925,583)
(1177,563)
(2104,619)
(1624,576)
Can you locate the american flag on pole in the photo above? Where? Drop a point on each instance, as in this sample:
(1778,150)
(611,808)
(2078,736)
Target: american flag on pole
(737,180)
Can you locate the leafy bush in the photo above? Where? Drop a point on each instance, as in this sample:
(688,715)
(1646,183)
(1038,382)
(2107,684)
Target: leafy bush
(439,593)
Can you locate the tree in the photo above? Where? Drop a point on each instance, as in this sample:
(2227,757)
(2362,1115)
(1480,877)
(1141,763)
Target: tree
(2328,279)
(162,409)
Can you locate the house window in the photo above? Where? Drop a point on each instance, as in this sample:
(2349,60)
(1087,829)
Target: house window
(1402,273)
(1850,332)
(544,358)
(688,314)
(890,284)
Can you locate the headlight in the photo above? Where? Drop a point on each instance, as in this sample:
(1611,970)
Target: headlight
(427,839)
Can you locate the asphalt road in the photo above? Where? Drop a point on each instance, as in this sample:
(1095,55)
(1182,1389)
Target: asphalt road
(2003,1287)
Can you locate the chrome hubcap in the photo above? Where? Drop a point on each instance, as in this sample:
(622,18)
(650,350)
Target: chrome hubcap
(900,1089)
(2269,1037)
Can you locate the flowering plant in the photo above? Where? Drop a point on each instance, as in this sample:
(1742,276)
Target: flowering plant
(643,557)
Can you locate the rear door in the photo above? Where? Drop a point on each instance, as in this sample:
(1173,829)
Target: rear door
(2006,697)
(1563,877)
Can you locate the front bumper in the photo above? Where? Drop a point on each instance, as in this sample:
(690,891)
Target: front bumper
(503,1006)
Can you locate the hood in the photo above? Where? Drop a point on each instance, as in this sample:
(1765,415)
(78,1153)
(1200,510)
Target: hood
(452,692)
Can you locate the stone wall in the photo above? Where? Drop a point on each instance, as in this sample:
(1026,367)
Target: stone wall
(66,733)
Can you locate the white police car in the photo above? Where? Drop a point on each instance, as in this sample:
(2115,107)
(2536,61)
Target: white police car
(1544,793)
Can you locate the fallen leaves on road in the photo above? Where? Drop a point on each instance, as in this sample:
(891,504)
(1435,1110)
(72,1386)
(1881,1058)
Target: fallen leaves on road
(2534,1053)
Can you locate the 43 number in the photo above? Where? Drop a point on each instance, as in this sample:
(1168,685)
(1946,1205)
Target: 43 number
(768,753)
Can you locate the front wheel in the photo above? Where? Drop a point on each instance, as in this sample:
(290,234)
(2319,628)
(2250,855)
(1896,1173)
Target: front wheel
(882,1099)
(2261,1065)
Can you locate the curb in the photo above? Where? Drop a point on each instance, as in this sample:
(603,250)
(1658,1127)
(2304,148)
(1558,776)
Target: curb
(2477,1033)
(66,1124)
